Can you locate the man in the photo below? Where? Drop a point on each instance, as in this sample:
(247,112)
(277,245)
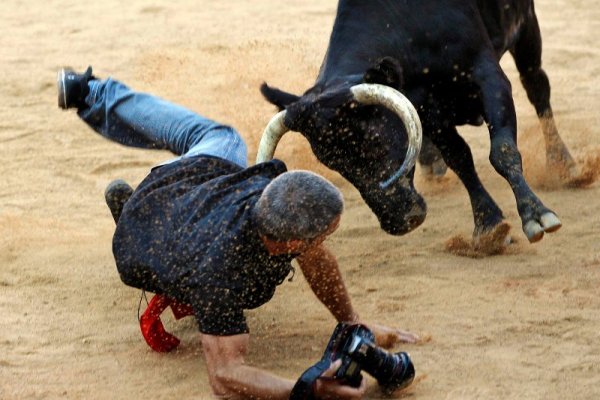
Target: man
(212,237)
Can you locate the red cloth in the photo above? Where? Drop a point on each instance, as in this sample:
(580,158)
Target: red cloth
(152,327)
(181,310)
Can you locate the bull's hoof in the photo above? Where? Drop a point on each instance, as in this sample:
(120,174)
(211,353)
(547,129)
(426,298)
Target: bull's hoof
(580,181)
(534,230)
(580,177)
(435,170)
(569,173)
(493,241)
(484,244)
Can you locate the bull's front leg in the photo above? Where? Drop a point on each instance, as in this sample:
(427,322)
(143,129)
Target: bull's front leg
(490,227)
(500,116)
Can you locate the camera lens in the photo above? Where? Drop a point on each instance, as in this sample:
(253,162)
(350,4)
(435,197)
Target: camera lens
(397,372)
(393,371)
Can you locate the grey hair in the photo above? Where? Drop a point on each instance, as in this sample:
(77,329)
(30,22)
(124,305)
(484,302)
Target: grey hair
(297,205)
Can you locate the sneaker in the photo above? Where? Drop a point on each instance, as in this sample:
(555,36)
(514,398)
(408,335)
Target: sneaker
(116,195)
(73,87)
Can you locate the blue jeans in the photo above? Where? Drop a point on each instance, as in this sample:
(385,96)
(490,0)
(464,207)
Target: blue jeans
(142,120)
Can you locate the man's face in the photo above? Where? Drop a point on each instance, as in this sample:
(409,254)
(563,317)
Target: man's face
(299,246)
(316,241)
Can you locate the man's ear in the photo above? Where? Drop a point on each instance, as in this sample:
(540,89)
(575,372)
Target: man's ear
(386,71)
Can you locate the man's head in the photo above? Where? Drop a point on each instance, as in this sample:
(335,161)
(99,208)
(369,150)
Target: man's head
(298,206)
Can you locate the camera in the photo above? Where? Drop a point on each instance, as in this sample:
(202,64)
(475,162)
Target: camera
(355,345)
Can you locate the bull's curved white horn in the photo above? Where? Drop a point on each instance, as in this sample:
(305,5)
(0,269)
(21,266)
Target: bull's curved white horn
(375,94)
(271,136)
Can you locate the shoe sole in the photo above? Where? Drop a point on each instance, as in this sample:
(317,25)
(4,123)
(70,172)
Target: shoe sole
(62,89)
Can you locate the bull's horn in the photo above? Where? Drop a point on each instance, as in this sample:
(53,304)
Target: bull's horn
(270,137)
(374,94)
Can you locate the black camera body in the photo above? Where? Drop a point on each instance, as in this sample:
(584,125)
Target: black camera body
(355,345)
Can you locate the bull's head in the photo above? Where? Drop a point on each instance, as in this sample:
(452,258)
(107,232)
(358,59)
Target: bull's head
(367,131)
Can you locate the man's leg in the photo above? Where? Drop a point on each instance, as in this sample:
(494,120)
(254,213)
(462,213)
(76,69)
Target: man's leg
(142,120)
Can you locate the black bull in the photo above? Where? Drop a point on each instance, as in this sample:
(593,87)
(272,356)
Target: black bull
(443,55)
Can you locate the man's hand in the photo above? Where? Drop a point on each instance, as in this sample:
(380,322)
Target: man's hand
(387,337)
(328,388)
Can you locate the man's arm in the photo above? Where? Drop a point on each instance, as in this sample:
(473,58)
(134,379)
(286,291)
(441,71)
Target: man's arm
(230,378)
(321,270)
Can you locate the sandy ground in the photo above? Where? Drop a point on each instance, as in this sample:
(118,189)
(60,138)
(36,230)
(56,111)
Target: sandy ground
(523,325)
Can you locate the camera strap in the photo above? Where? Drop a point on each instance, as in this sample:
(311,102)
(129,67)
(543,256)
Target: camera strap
(304,387)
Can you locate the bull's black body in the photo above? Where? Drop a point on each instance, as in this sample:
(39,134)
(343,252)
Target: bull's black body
(444,56)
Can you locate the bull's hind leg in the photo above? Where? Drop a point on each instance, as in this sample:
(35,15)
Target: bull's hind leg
(527,53)
(499,111)
(431,160)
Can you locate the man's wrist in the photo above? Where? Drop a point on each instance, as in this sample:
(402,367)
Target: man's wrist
(352,319)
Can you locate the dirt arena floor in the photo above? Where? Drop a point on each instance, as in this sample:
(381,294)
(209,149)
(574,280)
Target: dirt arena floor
(521,325)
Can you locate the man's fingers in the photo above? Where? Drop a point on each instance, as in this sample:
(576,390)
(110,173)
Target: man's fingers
(348,392)
(363,387)
(408,337)
(388,337)
(328,388)
(330,372)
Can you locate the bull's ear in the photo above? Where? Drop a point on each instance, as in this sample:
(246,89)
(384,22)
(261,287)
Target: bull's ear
(386,71)
(278,97)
